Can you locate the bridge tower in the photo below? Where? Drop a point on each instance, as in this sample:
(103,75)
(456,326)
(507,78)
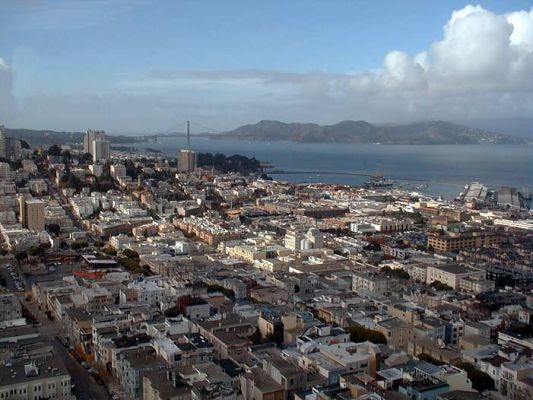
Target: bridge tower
(188,132)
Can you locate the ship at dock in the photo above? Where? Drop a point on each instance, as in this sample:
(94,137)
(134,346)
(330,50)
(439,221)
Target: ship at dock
(378,182)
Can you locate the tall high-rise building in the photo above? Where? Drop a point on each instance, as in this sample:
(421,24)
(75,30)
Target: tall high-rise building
(95,144)
(32,213)
(186,160)
(100,150)
(5,171)
(13,148)
(90,136)
(117,170)
(2,142)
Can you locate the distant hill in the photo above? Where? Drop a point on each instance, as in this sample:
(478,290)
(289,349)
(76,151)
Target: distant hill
(522,127)
(46,137)
(426,132)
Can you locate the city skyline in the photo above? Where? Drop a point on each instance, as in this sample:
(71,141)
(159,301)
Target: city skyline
(74,65)
(266,200)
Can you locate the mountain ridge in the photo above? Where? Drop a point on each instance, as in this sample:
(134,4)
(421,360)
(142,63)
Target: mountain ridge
(348,131)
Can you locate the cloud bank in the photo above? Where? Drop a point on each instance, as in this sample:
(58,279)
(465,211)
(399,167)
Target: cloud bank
(481,67)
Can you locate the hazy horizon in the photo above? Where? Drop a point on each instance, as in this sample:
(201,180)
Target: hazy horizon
(519,127)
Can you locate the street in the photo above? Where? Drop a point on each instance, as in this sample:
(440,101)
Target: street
(85,387)
(5,273)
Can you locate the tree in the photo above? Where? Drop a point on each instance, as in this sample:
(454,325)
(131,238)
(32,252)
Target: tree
(234,163)
(74,182)
(130,254)
(438,285)
(359,334)
(481,381)
(79,244)
(54,150)
(53,228)
(21,255)
(36,251)
(85,158)
(131,169)
(217,288)
(146,270)
(109,251)
(130,265)
(172,312)
(399,273)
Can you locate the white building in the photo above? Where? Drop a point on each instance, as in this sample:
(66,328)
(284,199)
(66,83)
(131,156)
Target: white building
(96,169)
(117,170)
(31,381)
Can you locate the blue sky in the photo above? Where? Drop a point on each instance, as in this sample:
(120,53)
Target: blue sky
(78,64)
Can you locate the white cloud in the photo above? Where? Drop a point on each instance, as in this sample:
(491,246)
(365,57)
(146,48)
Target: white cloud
(482,66)
(522,22)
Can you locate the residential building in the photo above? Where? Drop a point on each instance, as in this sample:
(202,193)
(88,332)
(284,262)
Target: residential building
(396,331)
(456,241)
(258,385)
(32,379)
(32,213)
(451,274)
(10,307)
(187,160)
(374,283)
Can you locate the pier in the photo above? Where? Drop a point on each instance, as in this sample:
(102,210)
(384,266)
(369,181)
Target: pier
(365,174)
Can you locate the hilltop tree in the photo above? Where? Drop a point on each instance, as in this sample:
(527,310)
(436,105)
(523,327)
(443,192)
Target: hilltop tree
(54,150)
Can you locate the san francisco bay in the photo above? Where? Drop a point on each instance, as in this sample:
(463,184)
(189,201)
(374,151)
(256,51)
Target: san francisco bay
(439,170)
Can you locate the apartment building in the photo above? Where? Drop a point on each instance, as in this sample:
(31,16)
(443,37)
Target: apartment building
(451,274)
(10,307)
(375,283)
(46,378)
(456,241)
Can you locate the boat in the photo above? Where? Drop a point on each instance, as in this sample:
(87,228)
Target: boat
(378,181)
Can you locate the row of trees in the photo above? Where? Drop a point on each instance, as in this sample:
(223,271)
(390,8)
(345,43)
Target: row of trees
(398,273)
(234,163)
(130,260)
